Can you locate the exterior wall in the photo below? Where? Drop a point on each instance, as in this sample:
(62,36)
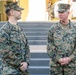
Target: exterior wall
(24,4)
(2,11)
(3,16)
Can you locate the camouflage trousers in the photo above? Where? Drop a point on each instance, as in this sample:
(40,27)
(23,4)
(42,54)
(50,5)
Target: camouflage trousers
(62,71)
(13,71)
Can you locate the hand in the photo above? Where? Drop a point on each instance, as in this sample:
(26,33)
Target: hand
(64,61)
(24,66)
(61,60)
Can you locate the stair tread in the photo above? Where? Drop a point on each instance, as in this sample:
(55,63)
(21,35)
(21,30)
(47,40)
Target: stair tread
(40,58)
(41,67)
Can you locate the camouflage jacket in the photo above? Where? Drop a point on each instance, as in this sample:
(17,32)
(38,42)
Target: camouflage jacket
(14,47)
(62,43)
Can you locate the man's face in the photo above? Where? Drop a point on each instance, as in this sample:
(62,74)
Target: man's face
(63,15)
(16,14)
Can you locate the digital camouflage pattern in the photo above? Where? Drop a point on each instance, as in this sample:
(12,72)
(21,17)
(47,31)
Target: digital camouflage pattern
(63,7)
(12,5)
(14,49)
(62,43)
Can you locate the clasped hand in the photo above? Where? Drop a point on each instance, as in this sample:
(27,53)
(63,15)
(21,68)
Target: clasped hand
(64,61)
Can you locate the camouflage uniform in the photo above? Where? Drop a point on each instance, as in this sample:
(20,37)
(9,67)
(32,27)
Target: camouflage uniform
(62,43)
(14,49)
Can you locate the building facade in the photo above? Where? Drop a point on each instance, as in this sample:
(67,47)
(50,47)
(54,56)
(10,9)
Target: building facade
(38,10)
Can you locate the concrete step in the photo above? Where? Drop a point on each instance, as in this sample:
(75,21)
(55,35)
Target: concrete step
(39,61)
(37,37)
(39,55)
(39,69)
(36,33)
(35,29)
(37,42)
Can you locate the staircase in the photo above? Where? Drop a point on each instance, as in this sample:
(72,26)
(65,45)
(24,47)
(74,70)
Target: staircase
(36,32)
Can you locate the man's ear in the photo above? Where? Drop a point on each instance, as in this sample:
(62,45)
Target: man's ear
(12,12)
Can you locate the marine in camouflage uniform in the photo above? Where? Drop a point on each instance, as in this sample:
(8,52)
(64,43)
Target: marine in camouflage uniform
(62,45)
(14,47)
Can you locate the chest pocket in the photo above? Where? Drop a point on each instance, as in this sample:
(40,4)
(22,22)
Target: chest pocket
(14,37)
(71,38)
(18,40)
(57,39)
